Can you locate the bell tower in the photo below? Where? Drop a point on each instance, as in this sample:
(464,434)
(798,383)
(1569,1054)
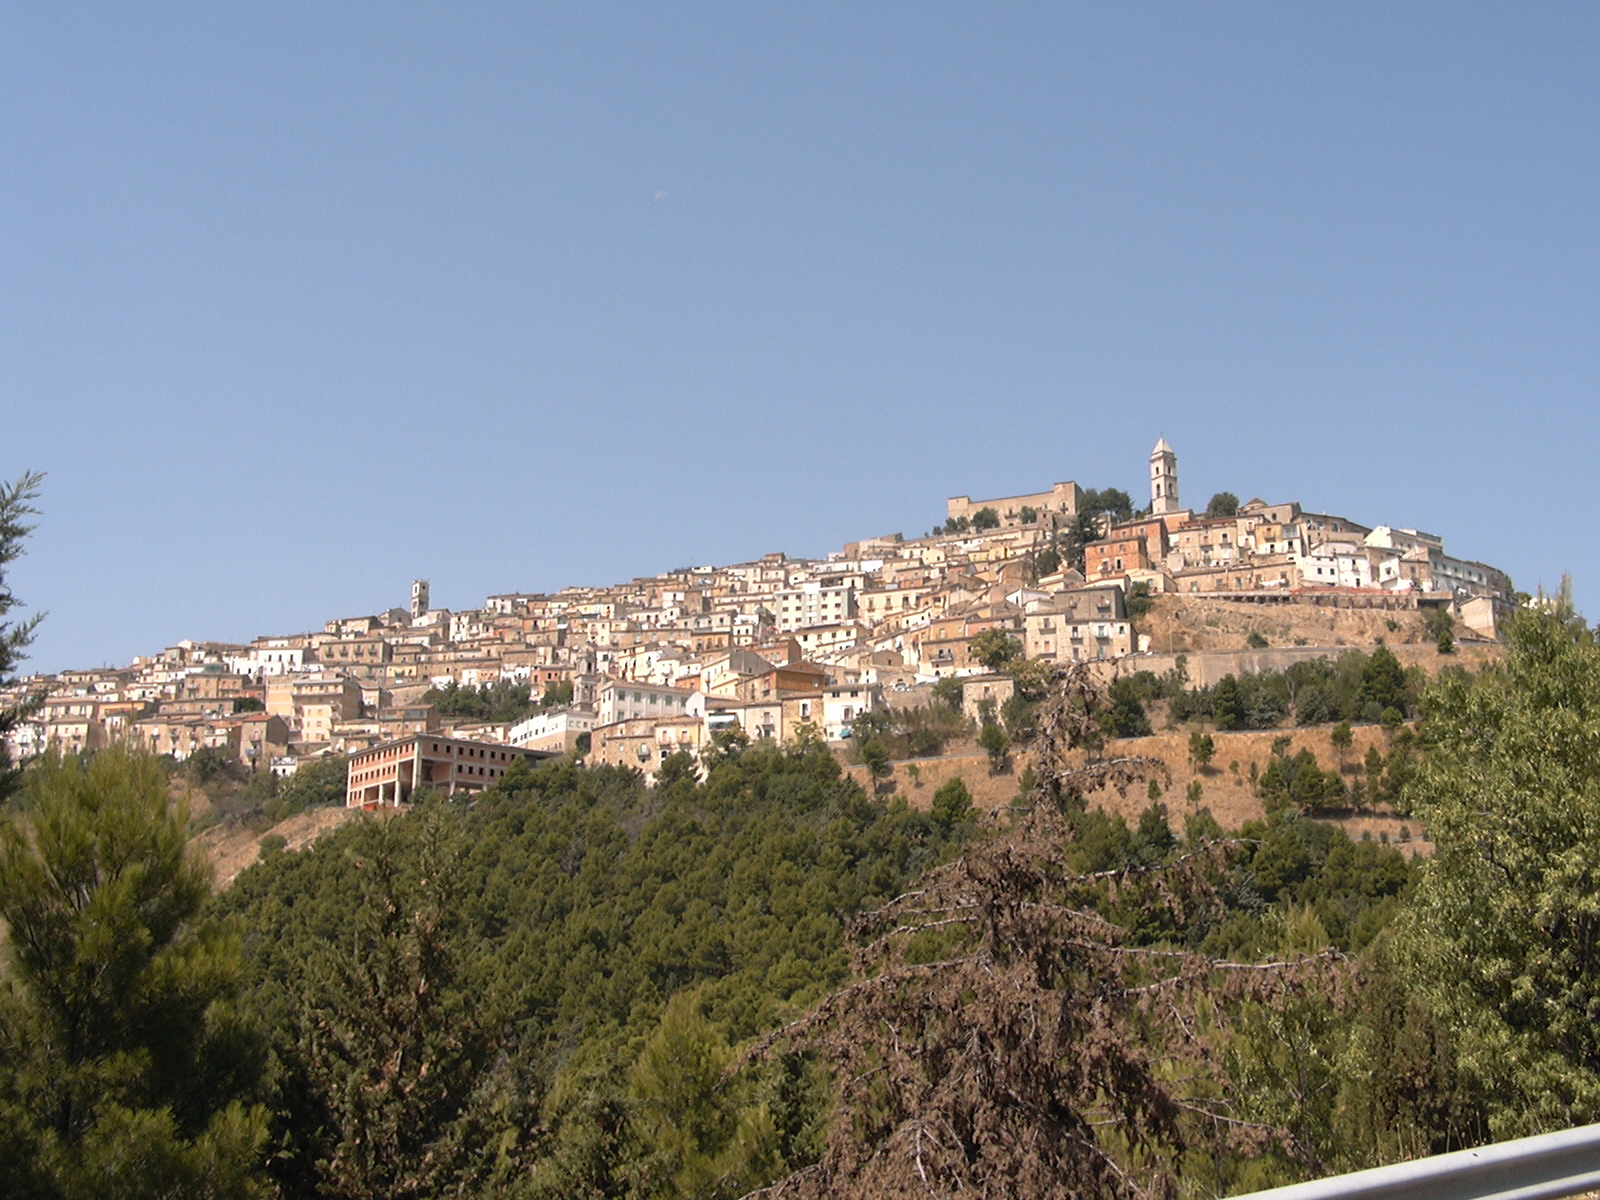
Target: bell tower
(1163,479)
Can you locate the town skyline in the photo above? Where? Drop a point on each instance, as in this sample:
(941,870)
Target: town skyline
(446,587)
(778,647)
(295,306)
(821,556)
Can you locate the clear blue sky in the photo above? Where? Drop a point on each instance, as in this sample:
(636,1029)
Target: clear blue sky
(301,301)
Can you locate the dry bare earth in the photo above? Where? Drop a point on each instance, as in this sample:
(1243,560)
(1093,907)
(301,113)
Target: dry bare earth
(1188,624)
(232,848)
(1226,793)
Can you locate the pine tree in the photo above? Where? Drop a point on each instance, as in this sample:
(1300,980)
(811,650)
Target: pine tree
(952,803)
(124,1069)
(1227,708)
(15,509)
(394,1072)
(1383,682)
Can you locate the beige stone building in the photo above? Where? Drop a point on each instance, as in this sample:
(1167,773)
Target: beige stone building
(760,719)
(980,693)
(645,743)
(1088,623)
(388,774)
(1058,506)
(1262,573)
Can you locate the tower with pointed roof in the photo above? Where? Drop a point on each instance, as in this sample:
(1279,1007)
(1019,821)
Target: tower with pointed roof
(1163,479)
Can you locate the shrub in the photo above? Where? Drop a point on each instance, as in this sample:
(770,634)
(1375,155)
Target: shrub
(952,803)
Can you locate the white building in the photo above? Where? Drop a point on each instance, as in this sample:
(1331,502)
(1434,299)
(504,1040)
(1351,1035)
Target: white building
(1336,564)
(551,730)
(628,700)
(465,626)
(814,604)
(271,659)
(842,703)
(823,639)
(1463,577)
(1385,537)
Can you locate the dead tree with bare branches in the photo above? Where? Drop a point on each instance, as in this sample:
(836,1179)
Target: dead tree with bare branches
(999,1037)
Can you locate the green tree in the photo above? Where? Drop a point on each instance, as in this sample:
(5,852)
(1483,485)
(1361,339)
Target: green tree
(1046,562)
(125,1069)
(1018,714)
(1223,504)
(952,803)
(209,763)
(875,757)
(1383,682)
(1113,501)
(707,1138)
(556,694)
(1028,514)
(1505,930)
(1227,709)
(726,745)
(995,648)
(1298,782)
(1202,748)
(986,518)
(249,704)
(870,723)
(1124,716)
(396,1056)
(1139,600)
(992,740)
(1342,738)
(500,701)
(319,783)
(1441,625)
(1085,528)
(948,693)
(15,509)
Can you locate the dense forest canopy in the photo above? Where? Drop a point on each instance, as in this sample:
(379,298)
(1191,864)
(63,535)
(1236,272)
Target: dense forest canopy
(754,972)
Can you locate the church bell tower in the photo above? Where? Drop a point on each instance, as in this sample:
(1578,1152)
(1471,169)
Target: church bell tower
(1163,479)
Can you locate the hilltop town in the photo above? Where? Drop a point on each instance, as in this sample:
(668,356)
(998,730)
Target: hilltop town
(777,647)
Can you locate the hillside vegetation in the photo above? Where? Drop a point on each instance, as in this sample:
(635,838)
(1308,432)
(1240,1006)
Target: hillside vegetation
(575,985)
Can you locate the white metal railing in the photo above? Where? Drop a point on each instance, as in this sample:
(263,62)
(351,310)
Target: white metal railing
(1535,1168)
